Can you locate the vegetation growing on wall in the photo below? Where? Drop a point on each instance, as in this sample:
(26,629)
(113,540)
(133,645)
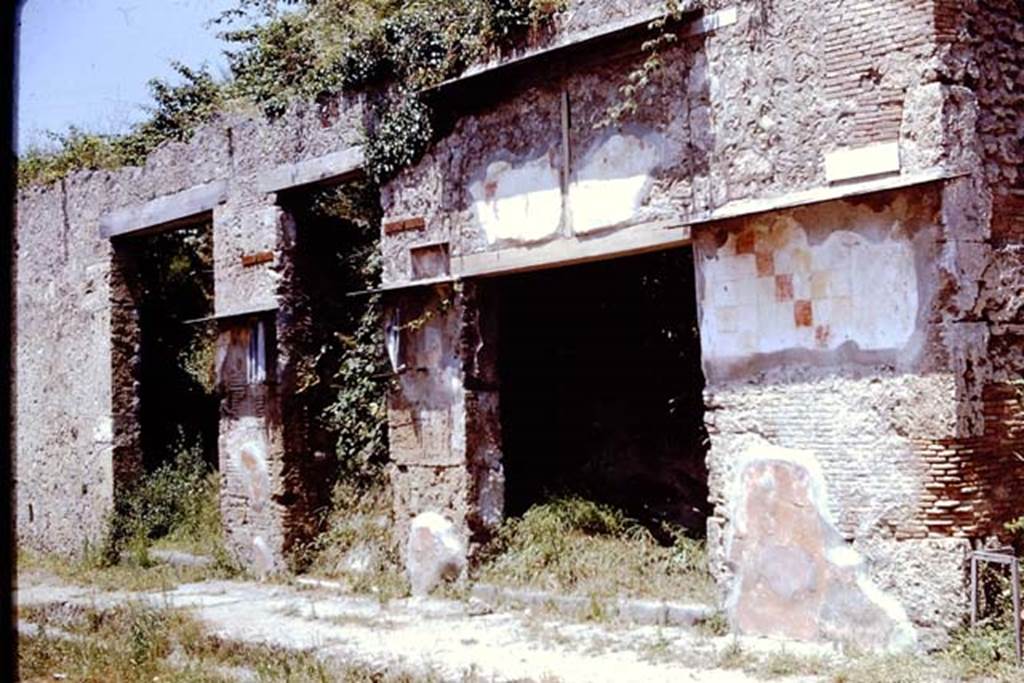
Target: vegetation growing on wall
(663,38)
(339,356)
(177,109)
(315,49)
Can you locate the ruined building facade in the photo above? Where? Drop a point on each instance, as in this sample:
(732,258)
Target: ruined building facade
(844,183)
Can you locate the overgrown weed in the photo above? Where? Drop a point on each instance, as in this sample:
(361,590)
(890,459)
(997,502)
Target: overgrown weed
(142,643)
(577,546)
(175,507)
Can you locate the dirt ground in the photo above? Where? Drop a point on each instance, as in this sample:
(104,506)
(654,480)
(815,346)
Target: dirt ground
(450,639)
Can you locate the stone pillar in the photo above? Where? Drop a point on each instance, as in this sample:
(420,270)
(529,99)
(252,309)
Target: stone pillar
(443,420)
(263,503)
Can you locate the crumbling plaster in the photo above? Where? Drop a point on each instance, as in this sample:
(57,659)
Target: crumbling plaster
(745,111)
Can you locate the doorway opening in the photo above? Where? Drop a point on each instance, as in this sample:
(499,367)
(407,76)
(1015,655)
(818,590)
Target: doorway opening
(178,404)
(602,389)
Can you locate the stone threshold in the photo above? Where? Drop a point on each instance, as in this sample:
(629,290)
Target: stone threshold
(632,610)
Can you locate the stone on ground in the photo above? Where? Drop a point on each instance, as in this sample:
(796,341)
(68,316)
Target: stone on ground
(436,552)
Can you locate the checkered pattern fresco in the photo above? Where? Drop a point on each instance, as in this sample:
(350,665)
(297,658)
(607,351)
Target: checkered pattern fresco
(768,288)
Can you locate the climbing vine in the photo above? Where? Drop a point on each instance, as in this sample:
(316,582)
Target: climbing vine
(639,78)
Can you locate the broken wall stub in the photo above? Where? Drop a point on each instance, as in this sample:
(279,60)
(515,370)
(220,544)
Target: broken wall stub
(77,342)
(444,429)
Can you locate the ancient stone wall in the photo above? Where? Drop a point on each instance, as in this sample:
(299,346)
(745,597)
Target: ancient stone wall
(845,331)
(77,336)
(861,348)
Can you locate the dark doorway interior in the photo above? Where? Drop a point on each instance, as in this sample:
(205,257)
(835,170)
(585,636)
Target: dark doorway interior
(601,388)
(177,401)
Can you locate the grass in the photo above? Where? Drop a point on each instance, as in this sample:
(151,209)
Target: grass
(141,643)
(123,576)
(176,507)
(572,545)
(358,547)
(972,656)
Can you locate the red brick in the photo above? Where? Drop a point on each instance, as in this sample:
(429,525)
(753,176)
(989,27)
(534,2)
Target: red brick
(803,313)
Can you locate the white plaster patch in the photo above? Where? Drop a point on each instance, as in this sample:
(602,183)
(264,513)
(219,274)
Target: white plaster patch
(612,181)
(251,463)
(859,162)
(768,290)
(262,557)
(520,202)
(103,432)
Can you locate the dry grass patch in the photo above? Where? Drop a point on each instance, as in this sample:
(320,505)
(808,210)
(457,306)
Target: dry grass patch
(127,575)
(572,545)
(142,643)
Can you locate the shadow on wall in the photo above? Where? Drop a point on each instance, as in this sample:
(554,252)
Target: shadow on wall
(169,279)
(601,388)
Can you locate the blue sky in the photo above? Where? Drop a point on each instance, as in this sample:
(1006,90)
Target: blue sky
(86,62)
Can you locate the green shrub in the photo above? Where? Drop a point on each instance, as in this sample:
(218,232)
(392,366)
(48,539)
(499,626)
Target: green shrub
(70,151)
(178,502)
(572,544)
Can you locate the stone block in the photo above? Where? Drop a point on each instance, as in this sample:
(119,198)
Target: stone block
(435,552)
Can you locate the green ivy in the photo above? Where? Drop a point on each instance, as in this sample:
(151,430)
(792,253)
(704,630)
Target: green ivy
(402,135)
(316,48)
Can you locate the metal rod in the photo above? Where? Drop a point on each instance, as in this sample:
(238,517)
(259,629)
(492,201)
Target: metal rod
(1015,576)
(566,161)
(1000,556)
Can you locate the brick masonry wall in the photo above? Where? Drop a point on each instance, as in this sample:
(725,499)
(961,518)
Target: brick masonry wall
(867,47)
(915,433)
(972,486)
